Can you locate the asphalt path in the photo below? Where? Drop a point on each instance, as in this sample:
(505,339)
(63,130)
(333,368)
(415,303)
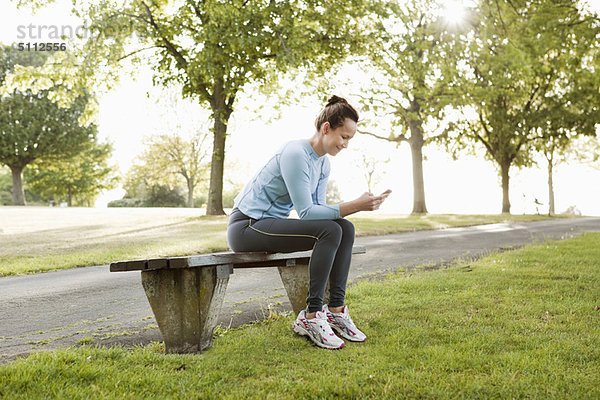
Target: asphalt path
(91,305)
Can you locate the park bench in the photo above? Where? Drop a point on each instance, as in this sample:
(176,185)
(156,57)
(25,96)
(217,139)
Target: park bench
(186,293)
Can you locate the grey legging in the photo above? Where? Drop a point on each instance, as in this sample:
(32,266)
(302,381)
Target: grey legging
(330,240)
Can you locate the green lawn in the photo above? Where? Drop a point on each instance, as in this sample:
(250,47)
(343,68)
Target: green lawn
(519,324)
(38,239)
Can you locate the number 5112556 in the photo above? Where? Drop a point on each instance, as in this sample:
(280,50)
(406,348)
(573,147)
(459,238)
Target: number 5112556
(42,46)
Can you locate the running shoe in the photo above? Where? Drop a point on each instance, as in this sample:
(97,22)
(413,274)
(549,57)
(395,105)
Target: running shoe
(343,325)
(317,330)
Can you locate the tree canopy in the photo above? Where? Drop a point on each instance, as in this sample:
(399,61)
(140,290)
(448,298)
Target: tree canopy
(214,48)
(528,70)
(32,126)
(168,159)
(417,54)
(78,179)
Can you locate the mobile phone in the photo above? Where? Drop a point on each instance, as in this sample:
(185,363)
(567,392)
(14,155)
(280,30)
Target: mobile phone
(386,193)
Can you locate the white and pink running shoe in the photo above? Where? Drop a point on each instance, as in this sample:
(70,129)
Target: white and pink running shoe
(343,325)
(317,330)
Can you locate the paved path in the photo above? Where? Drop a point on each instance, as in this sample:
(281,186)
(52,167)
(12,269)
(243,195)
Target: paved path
(62,308)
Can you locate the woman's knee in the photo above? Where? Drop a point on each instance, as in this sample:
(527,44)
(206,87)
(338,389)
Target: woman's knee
(332,231)
(346,226)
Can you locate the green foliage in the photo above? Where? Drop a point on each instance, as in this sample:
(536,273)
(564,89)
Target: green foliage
(519,324)
(418,52)
(78,179)
(416,58)
(151,195)
(164,196)
(171,160)
(33,126)
(5,187)
(229,195)
(215,48)
(126,203)
(528,75)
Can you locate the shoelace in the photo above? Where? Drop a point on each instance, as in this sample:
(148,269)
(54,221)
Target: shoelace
(347,320)
(324,326)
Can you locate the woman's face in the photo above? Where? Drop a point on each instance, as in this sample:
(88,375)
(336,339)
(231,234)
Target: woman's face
(335,140)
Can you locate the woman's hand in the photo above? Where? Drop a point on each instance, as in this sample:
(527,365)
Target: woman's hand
(366,202)
(369,202)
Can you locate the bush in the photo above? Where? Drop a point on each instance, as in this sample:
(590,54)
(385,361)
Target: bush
(573,211)
(200,200)
(126,203)
(164,196)
(229,196)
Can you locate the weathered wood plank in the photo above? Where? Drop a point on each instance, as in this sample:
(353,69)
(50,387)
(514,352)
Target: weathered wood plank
(157,263)
(122,266)
(178,262)
(238,260)
(272,263)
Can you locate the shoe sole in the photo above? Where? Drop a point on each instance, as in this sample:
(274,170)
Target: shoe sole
(303,332)
(343,334)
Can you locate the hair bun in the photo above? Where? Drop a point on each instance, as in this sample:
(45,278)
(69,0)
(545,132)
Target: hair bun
(334,100)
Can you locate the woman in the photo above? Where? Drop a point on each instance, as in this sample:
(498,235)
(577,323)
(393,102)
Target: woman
(296,177)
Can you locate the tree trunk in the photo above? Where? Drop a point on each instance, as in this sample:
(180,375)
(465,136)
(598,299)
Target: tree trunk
(504,171)
(18,194)
(221,113)
(190,199)
(416,148)
(70,198)
(550,190)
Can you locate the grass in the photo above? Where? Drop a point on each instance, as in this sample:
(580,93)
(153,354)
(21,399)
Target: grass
(39,239)
(519,324)
(382,224)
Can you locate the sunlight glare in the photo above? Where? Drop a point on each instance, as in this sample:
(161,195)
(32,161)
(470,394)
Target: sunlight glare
(453,11)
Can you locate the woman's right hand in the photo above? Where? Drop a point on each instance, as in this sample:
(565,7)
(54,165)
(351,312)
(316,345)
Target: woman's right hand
(366,202)
(369,202)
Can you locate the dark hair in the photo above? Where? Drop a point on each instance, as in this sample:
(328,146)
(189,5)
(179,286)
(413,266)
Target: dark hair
(335,112)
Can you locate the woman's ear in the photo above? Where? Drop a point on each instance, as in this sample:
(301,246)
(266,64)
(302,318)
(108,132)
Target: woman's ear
(325,127)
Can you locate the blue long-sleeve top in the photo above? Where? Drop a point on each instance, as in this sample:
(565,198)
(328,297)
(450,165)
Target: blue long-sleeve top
(295,177)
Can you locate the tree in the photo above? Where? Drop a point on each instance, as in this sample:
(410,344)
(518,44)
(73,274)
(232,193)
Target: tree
(81,177)
(523,64)
(372,167)
(562,148)
(214,48)
(566,115)
(34,127)
(417,55)
(332,194)
(167,156)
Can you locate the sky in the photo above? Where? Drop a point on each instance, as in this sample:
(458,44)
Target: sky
(135,109)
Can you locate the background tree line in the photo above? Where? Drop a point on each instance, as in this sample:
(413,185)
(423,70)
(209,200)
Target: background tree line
(62,158)
(515,78)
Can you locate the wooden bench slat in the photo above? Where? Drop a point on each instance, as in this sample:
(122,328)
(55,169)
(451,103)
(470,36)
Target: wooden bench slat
(271,263)
(243,258)
(123,266)
(238,260)
(157,263)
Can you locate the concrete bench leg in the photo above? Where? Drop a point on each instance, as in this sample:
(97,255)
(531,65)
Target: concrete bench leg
(186,303)
(295,279)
